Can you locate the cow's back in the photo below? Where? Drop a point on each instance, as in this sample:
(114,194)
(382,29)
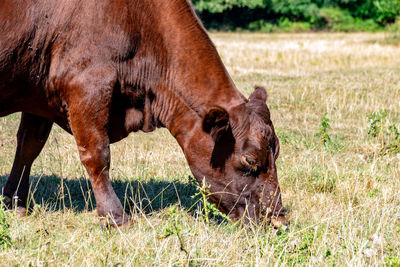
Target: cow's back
(29,30)
(15,28)
(41,39)
(26,32)
(145,43)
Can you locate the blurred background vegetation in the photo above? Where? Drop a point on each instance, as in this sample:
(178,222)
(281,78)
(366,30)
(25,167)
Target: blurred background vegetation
(300,15)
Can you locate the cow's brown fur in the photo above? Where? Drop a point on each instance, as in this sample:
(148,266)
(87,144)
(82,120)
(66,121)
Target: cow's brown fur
(102,69)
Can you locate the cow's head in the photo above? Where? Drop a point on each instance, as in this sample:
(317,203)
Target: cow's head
(240,148)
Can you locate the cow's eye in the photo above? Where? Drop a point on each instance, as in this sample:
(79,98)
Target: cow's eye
(249,162)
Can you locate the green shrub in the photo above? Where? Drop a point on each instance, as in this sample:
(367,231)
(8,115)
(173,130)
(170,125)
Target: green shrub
(218,6)
(261,26)
(336,19)
(298,15)
(289,26)
(341,20)
(387,10)
(365,25)
(295,9)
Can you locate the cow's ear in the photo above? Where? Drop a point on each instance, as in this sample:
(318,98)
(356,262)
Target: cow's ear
(259,94)
(216,122)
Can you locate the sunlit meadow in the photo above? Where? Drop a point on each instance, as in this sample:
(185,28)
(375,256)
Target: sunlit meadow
(335,104)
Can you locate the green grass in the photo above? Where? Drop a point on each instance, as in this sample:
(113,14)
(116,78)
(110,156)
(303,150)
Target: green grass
(340,183)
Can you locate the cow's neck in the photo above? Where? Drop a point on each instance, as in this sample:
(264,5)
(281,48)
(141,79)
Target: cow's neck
(175,63)
(193,69)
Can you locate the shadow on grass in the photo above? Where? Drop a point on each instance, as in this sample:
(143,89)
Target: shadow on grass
(147,196)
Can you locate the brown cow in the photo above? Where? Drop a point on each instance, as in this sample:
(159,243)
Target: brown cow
(102,69)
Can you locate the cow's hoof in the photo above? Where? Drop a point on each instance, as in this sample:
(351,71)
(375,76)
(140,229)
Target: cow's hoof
(109,222)
(19,211)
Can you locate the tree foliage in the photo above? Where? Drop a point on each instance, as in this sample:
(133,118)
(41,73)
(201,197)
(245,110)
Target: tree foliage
(218,6)
(318,14)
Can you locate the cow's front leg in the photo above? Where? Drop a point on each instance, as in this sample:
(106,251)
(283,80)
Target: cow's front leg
(94,150)
(89,120)
(32,135)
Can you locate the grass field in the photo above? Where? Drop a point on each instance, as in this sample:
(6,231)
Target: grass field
(335,103)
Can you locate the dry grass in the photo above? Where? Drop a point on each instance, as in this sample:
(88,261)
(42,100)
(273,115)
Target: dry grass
(343,197)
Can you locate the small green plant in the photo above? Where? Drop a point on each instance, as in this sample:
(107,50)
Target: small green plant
(208,208)
(323,131)
(373,193)
(376,120)
(395,132)
(394,139)
(174,228)
(385,131)
(5,238)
